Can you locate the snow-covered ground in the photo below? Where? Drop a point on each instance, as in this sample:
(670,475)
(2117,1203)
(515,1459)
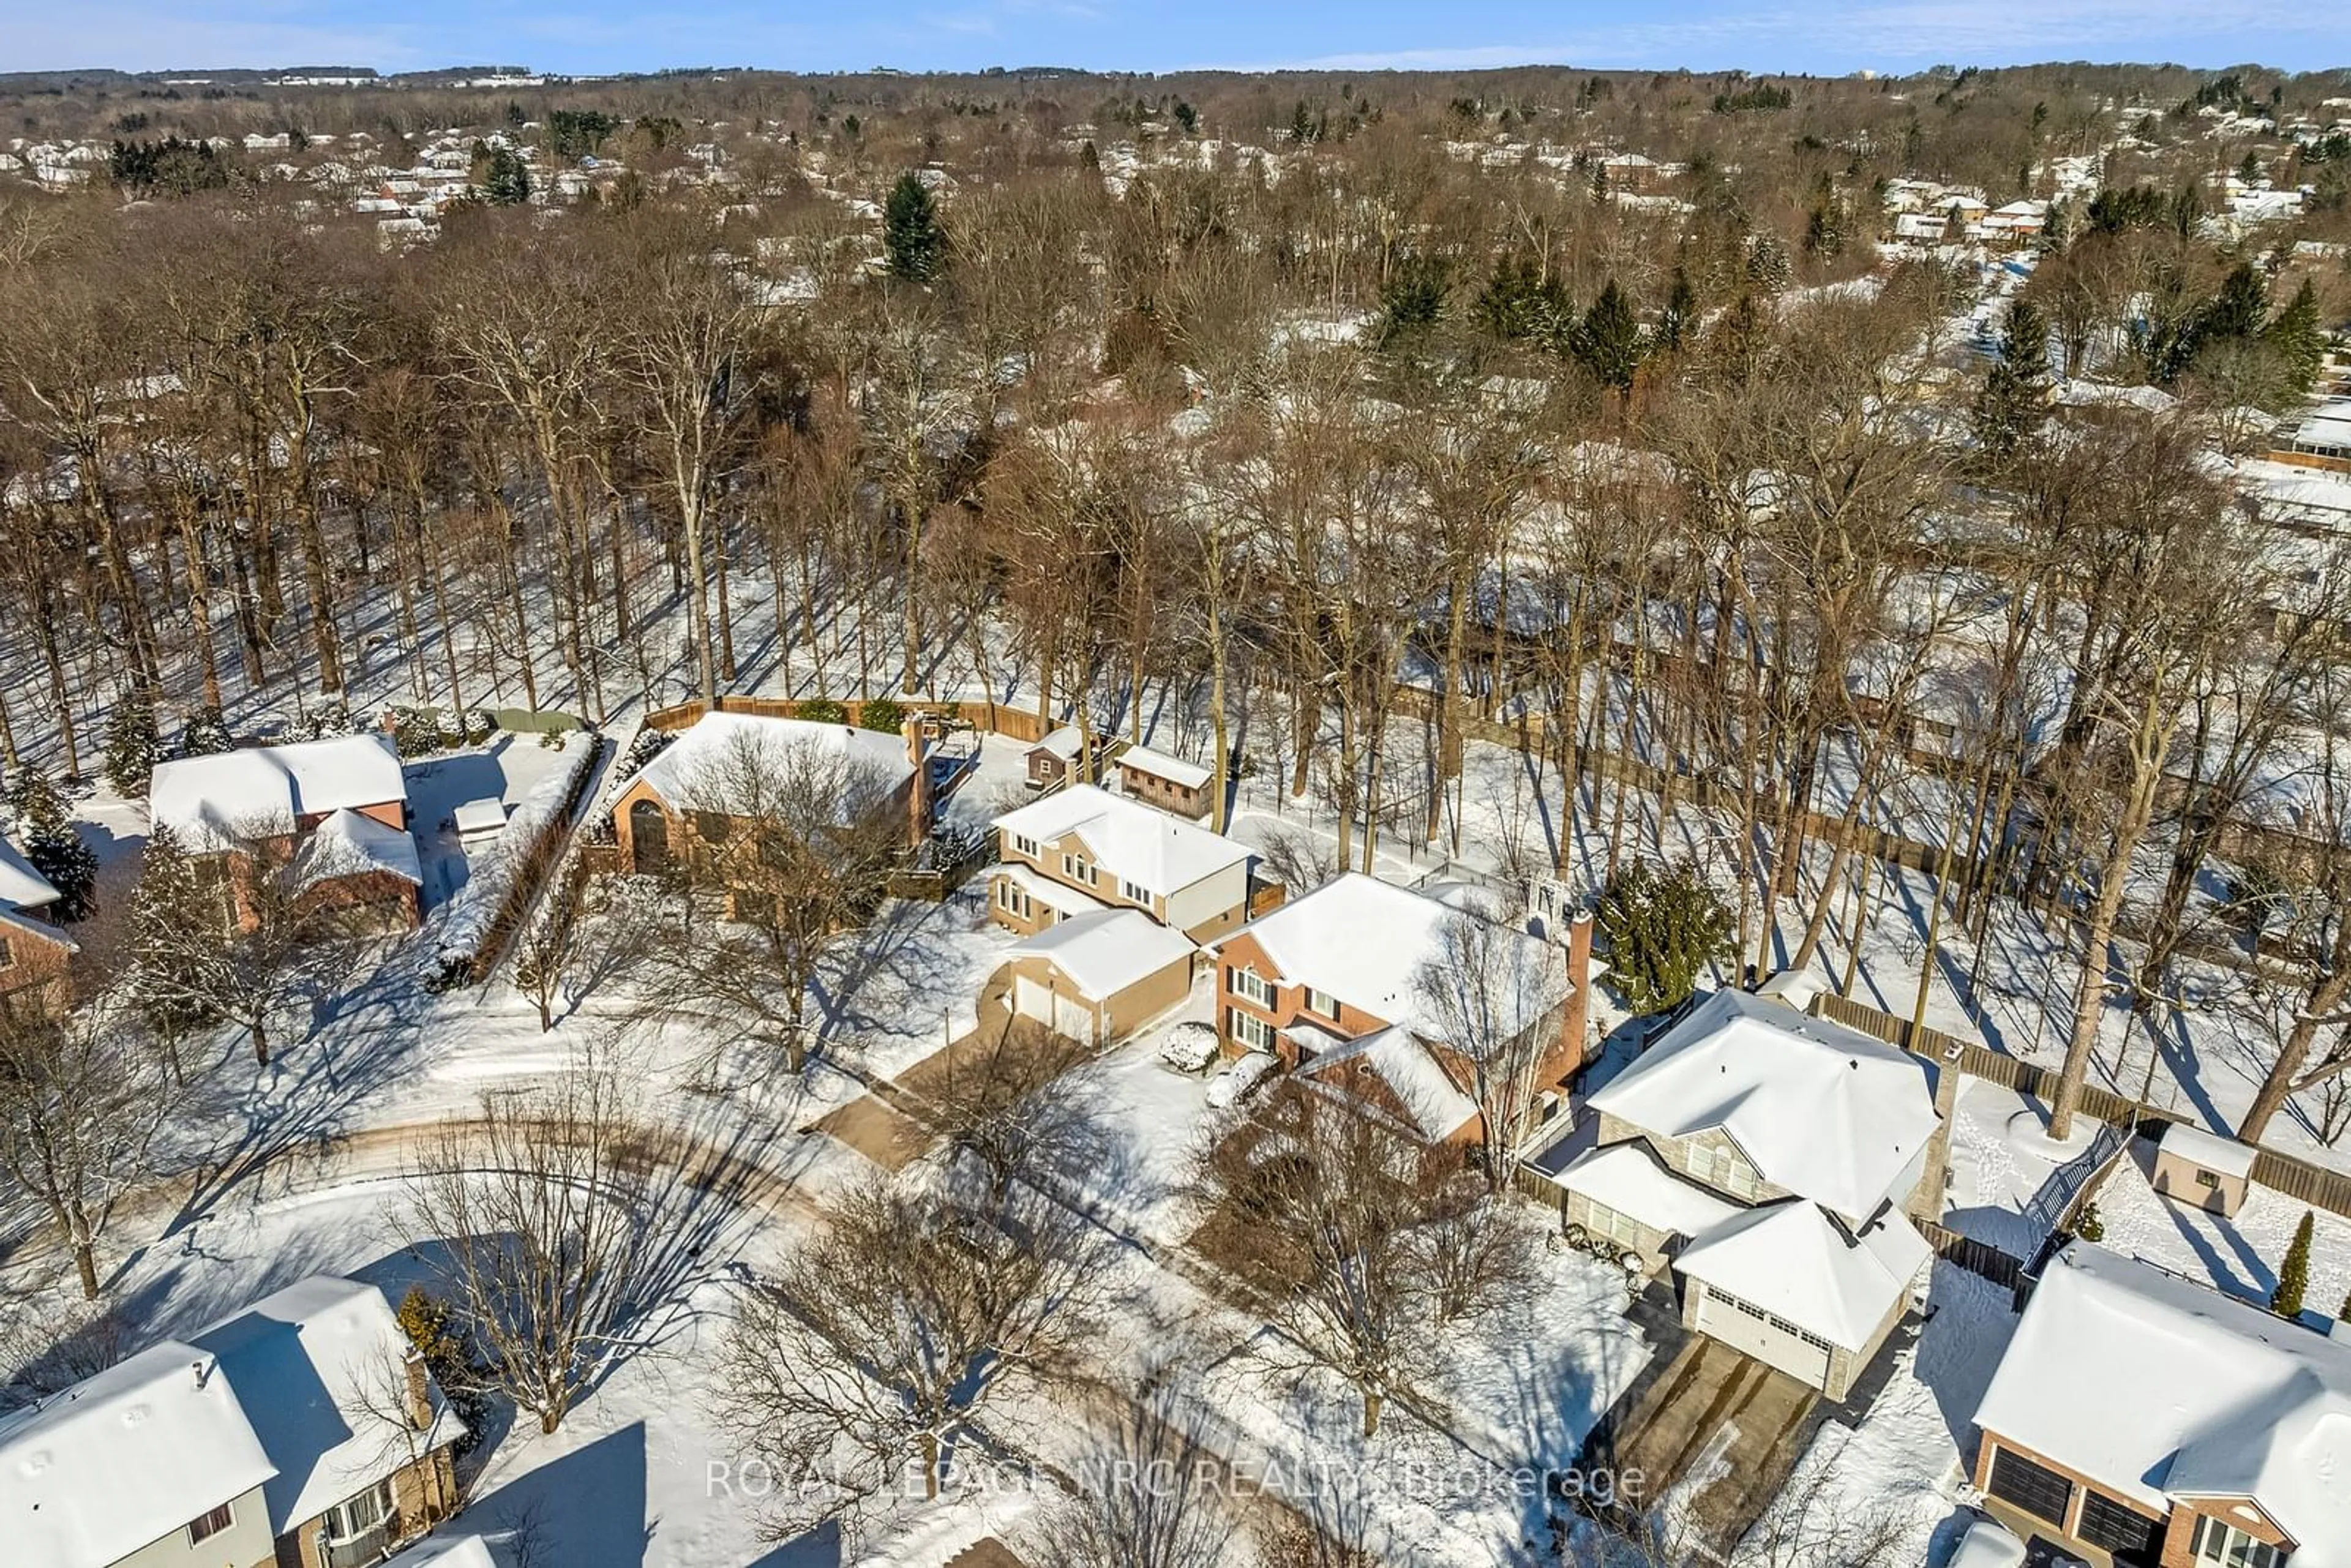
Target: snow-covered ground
(2010,1182)
(2240,1254)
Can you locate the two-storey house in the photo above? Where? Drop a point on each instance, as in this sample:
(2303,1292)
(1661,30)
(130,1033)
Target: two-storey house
(1769,1157)
(1083,849)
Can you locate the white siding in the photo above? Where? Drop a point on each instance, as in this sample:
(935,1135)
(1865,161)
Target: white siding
(1208,897)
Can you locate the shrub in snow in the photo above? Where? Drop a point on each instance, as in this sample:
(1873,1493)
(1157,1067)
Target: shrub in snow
(649,744)
(880,714)
(420,731)
(204,734)
(53,847)
(1664,927)
(476,921)
(131,748)
(823,710)
(2089,1225)
(330,718)
(2294,1274)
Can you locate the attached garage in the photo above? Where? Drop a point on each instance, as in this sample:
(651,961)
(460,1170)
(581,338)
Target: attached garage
(1765,1337)
(1097,977)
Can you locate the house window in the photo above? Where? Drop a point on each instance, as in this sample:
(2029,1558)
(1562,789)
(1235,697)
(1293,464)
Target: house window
(1077,870)
(2108,1525)
(1250,1029)
(1249,986)
(2219,1541)
(1321,1003)
(710,826)
(210,1525)
(1135,892)
(2036,1488)
(7,954)
(2211,1179)
(1024,845)
(355,1517)
(1013,900)
(1618,1227)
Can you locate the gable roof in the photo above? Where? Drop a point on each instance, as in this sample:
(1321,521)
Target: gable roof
(1823,1111)
(1129,840)
(124,1458)
(1432,1104)
(1791,1258)
(1106,950)
(1367,942)
(444,1552)
(349,844)
(1630,1178)
(2152,1384)
(321,1366)
(692,773)
(210,801)
(2194,1144)
(1159,765)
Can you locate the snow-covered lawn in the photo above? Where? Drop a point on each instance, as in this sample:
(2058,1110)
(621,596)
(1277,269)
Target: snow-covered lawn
(2240,1254)
(508,769)
(2008,1181)
(1900,1474)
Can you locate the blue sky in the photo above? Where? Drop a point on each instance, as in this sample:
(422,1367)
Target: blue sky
(593,36)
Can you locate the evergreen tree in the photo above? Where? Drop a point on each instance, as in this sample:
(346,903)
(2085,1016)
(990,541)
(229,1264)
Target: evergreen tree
(2299,336)
(2294,1274)
(131,748)
(1411,302)
(2090,1225)
(1679,318)
(2237,311)
(911,239)
(1608,342)
(506,178)
(1663,927)
(168,905)
(205,733)
(2012,402)
(1188,118)
(1519,304)
(52,846)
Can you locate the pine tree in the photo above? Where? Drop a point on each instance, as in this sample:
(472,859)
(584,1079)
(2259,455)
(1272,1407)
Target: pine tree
(2012,402)
(169,913)
(911,237)
(1676,322)
(2294,1274)
(132,748)
(506,183)
(1662,929)
(2299,336)
(52,846)
(2090,1225)
(1608,342)
(205,733)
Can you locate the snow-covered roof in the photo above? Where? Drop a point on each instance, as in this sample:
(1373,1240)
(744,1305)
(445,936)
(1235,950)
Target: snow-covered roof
(22,887)
(124,1458)
(2153,1385)
(350,844)
(1107,950)
(486,815)
(700,770)
(322,1367)
(1629,1178)
(2196,1146)
(1433,1105)
(17,920)
(1129,840)
(1064,743)
(210,801)
(1794,1258)
(1159,765)
(1368,944)
(1820,1109)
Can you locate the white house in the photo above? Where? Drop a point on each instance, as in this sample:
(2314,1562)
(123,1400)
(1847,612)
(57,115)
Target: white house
(1083,849)
(1768,1157)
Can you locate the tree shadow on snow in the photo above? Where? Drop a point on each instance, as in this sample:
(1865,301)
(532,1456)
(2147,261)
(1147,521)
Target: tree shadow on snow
(584,1509)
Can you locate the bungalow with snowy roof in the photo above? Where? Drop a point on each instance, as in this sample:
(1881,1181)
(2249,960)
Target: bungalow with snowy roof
(337,808)
(1369,989)
(33,954)
(1082,850)
(1769,1157)
(727,767)
(303,1432)
(1170,783)
(2141,1420)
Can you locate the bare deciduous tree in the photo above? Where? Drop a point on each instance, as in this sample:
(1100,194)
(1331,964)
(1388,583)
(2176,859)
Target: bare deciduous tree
(1492,993)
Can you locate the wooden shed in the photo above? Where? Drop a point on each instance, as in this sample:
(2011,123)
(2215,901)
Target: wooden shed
(2194,1166)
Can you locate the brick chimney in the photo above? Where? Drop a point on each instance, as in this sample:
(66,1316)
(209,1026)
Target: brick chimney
(918,799)
(1577,1014)
(1927,1203)
(419,1391)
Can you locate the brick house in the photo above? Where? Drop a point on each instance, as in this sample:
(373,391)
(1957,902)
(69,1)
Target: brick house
(33,954)
(1083,849)
(337,809)
(1769,1157)
(2141,1420)
(1341,985)
(684,799)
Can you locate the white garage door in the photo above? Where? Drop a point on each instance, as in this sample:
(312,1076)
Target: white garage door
(1031,1000)
(1073,1018)
(1769,1338)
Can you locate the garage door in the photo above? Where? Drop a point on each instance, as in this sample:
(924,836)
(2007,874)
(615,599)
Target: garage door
(1770,1339)
(1031,1000)
(1073,1018)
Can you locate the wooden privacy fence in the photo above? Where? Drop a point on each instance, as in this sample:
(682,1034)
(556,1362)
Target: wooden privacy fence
(1019,724)
(1980,1259)
(2297,1178)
